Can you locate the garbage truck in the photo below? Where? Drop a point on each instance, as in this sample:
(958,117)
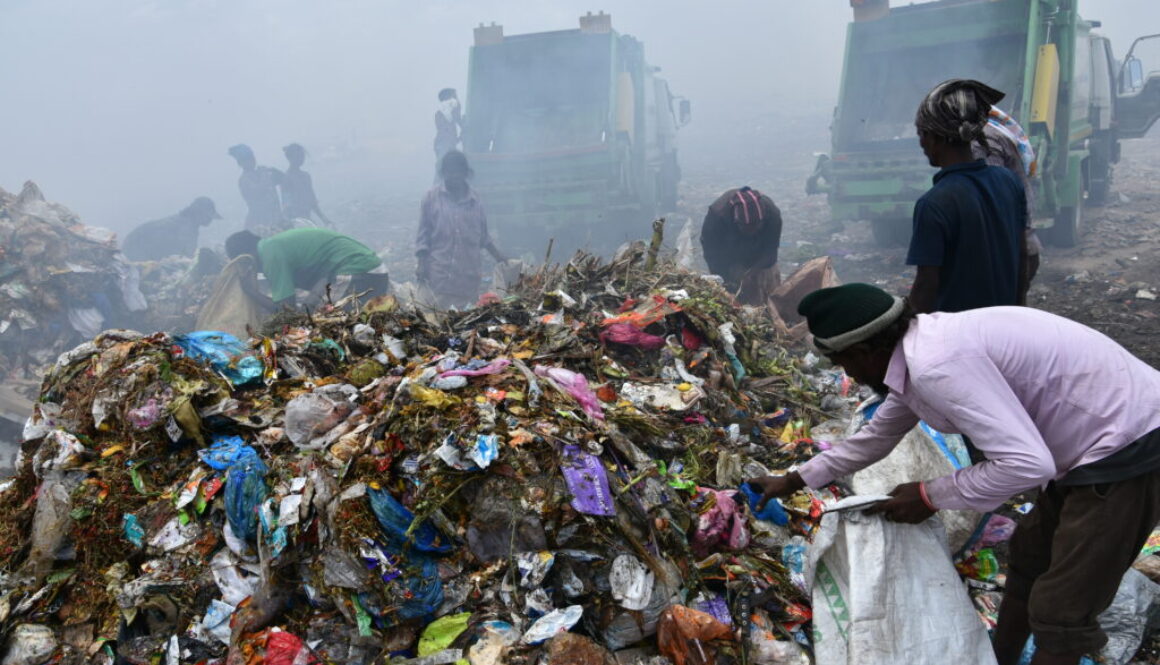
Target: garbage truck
(1064,85)
(572,136)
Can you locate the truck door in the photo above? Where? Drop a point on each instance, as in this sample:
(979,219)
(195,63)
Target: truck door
(1138,98)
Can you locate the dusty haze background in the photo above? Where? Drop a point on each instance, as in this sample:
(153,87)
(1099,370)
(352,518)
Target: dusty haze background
(123,109)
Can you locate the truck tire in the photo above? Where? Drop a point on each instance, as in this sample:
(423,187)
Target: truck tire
(1098,169)
(891,231)
(1068,227)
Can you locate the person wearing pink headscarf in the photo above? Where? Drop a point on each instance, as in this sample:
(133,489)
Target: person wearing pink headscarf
(740,238)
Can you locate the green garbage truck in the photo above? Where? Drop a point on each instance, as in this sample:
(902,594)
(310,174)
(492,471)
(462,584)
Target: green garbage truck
(1064,85)
(572,136)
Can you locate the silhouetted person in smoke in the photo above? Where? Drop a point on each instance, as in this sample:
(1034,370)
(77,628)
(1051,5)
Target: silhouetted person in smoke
(969,243)
(740,238)
(452,235)
(176,234)
(259,188)
(298,199)
(447,125)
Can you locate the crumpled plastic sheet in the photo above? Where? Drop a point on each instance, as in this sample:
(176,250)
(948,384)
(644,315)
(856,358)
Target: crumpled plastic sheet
(554,622)
(494,367)
(225,353)
(284,648)
(575,385)
(395,519)
(310,416)
(722,526)
(440,633)
(629,335)
(587,480)
(684,635)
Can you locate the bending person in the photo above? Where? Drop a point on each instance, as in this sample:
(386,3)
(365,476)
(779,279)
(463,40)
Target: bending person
(308,259)
(1050,404)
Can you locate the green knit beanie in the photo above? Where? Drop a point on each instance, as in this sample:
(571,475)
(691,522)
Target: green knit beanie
(841,316)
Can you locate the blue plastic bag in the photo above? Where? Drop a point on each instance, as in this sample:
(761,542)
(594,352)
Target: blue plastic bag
(773,512)
(227,354)
(395,519)
(415,579)
(245,482)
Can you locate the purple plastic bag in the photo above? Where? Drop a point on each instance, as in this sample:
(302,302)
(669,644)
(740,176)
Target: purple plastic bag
(575,385)
(588,482)
(715,606)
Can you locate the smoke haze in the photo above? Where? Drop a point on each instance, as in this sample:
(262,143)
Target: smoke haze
(123,109)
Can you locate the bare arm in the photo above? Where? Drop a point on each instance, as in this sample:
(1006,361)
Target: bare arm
(924,291)
(249,283)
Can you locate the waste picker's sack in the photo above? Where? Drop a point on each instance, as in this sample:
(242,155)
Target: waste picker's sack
(921,455)
(230,309)
(886,593)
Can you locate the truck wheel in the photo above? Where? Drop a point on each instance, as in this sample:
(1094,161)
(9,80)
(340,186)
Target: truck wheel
(891,231)
(1068,227)
(1099,176)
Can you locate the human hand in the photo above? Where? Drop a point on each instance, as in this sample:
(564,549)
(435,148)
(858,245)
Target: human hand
(772,487)
(906,505)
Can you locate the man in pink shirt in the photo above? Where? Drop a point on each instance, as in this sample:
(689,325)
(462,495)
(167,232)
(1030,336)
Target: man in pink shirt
(1050,403)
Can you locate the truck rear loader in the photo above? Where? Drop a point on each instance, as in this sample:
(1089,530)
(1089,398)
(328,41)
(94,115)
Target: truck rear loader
(572,136)
(1063,84)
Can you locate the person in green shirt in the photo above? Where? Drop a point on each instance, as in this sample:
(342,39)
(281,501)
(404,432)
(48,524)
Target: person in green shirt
(307,258)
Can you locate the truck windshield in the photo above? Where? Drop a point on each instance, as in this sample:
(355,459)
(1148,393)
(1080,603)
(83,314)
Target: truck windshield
(539,94)
(883,89)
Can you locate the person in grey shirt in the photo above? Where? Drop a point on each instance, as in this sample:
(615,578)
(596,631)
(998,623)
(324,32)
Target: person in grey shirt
(298,199)
(176,234)
(259,188)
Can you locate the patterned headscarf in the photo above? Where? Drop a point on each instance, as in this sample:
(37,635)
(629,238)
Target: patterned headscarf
(957,111)
(746,204)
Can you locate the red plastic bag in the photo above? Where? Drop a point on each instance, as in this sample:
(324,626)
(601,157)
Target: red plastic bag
(284,648)
(684,636)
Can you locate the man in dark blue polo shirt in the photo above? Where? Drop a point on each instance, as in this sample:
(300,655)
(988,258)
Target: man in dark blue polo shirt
(968,242)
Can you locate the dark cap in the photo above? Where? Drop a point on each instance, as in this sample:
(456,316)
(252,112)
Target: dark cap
(241,150)
(202,205)
(841,316)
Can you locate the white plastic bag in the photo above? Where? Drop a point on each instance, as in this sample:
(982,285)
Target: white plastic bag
(886,593)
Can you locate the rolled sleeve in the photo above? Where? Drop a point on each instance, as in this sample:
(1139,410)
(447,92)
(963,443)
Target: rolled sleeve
(890,423)
(975,397)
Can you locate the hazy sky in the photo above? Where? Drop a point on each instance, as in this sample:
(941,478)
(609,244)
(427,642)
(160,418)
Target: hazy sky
(123,109)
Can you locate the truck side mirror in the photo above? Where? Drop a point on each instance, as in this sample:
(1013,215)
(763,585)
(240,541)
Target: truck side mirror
(1135,74)
(685,112)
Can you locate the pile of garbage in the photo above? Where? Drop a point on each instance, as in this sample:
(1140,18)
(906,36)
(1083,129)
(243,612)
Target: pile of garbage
(60,282)
(556,476)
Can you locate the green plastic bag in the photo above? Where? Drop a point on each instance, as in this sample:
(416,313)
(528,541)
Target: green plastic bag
(440,633)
